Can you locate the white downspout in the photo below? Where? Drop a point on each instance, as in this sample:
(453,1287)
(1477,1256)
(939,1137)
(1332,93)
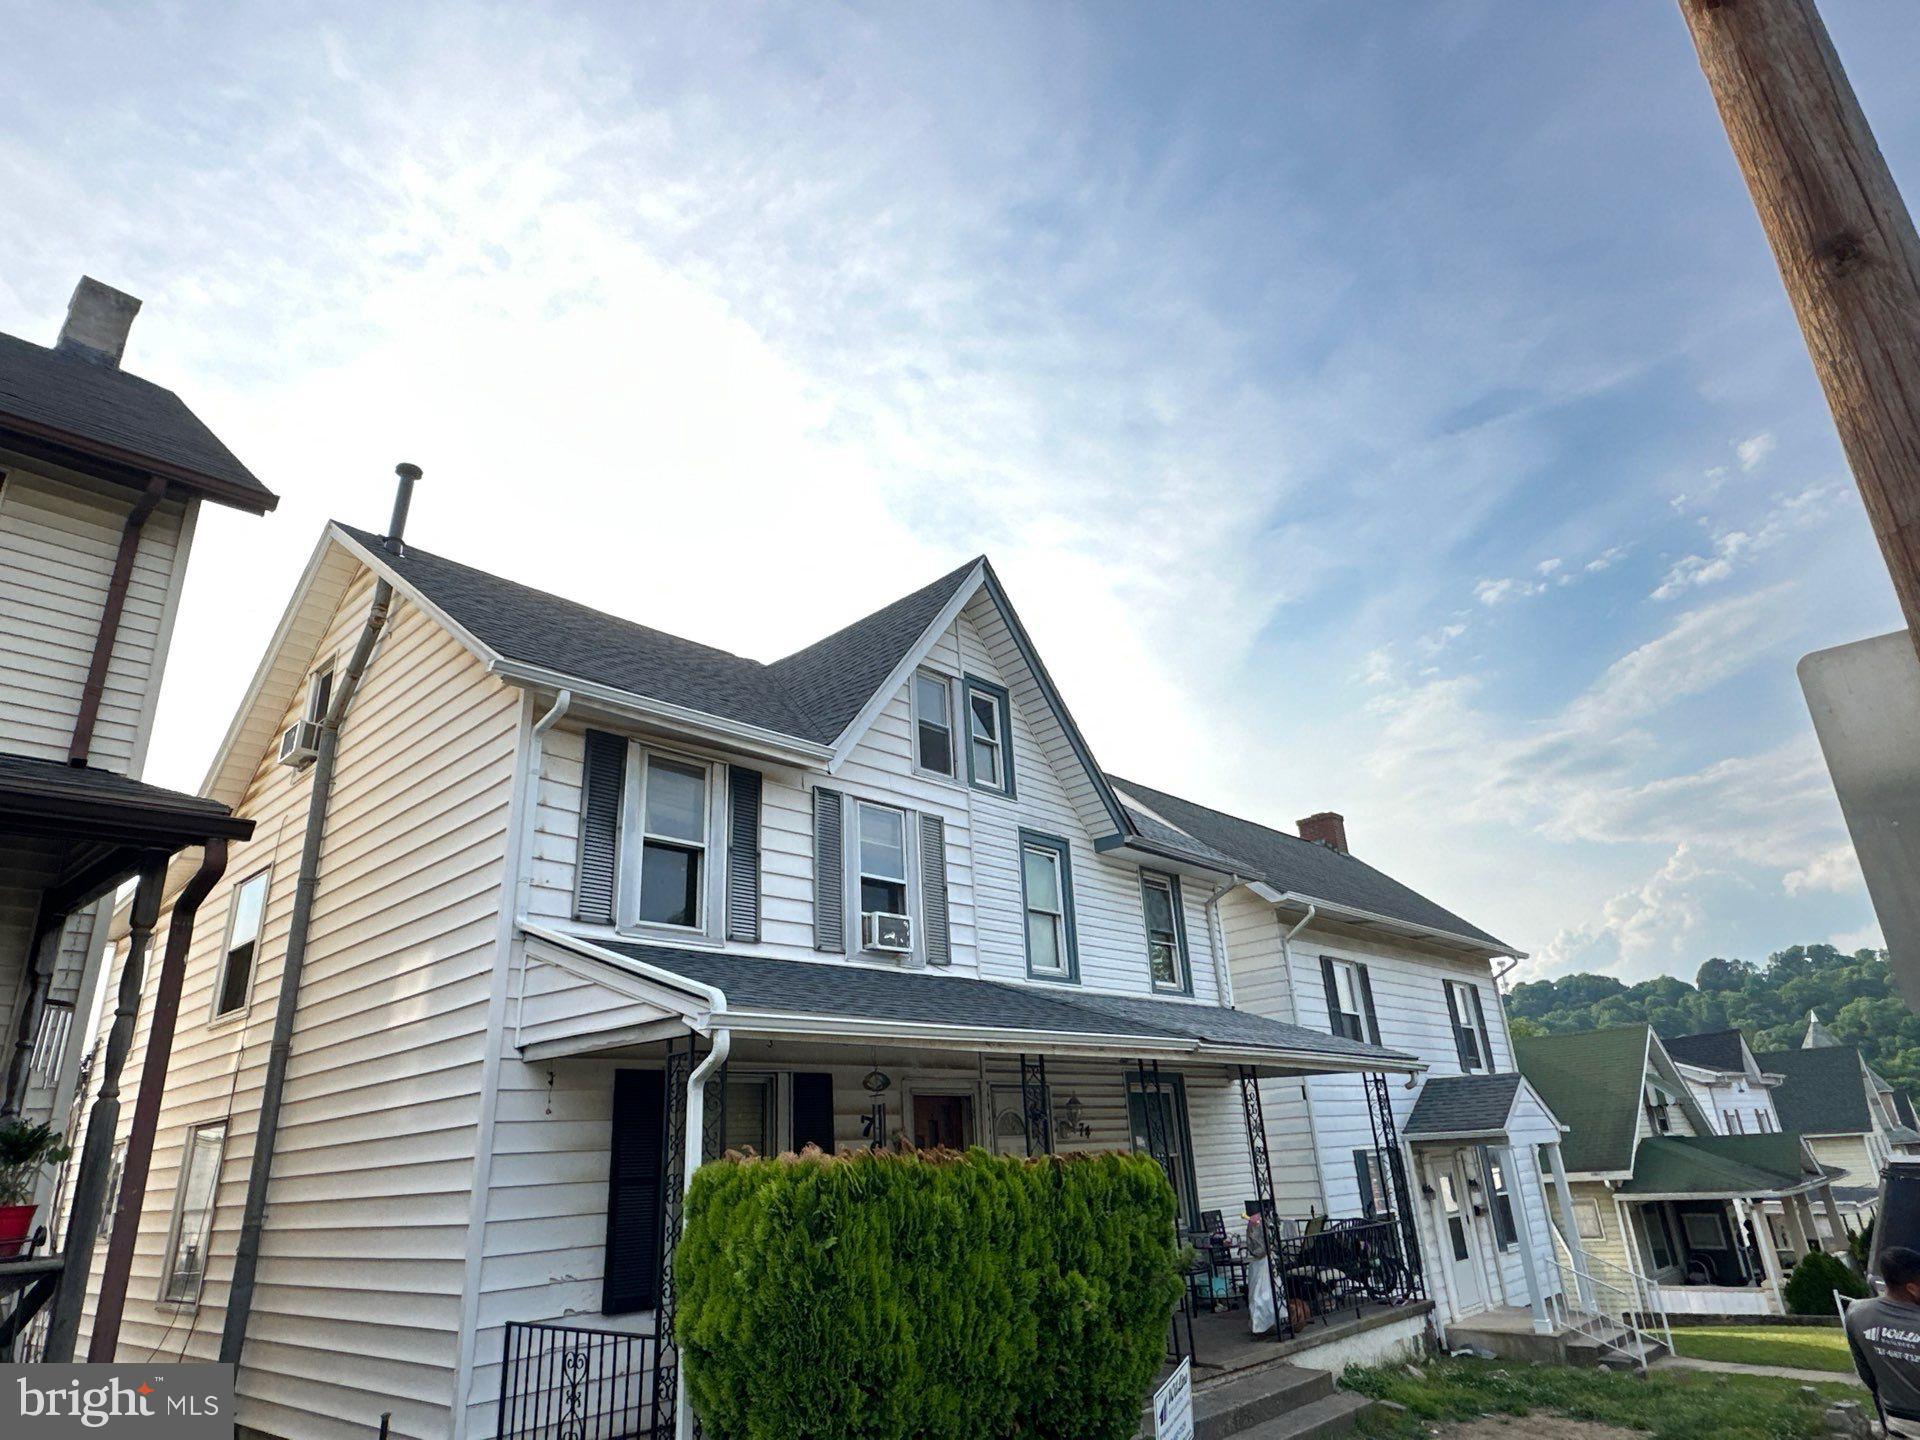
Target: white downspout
(696,1127)
(1306,1084)
(1217,937)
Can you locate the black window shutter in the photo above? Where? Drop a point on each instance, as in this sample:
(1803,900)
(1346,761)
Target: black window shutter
(829,874)
(1334,1021)
(813,1110)
(743,853)
(1453,1016)
(1480,1024)
(595,876)
(1366,1002)
(1363,1173)
(933,889)
(634,1180)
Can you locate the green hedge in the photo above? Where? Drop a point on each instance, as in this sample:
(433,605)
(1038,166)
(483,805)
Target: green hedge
(936,1295)
(1810,1288)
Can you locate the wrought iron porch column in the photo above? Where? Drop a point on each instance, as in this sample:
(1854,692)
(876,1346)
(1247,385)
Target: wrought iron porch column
(1386,1143)
(1256,1117)
(666,1362)
(1036,1111)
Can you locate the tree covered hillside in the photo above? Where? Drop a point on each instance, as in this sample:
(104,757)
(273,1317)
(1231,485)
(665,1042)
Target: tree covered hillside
(1853,993)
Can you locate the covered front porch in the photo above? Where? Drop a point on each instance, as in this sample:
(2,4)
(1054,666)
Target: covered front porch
(701,1054)
(71,835)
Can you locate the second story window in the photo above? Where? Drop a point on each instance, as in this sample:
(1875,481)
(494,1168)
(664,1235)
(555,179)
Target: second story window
(244,921)
(1166,946)
(1047,893)
(932,723)
(1659,1113)
(673,842)
(1349,995)
(883,860)
(319,695)
(1469,1018)
(989,751)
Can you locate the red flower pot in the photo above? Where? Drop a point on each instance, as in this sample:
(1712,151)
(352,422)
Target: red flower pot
(16,1223)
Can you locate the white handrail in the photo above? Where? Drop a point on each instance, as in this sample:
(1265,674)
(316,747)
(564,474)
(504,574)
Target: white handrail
(1611,1285)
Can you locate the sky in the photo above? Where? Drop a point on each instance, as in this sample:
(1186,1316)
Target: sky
(1391,409)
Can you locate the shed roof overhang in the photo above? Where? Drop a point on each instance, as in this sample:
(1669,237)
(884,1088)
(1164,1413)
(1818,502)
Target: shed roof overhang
(52,800)
(652,992)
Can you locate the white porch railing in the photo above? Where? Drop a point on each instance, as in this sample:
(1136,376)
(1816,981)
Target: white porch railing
(1612,1304)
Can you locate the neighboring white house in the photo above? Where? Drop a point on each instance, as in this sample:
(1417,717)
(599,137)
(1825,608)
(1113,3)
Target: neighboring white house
(102,476)
(1726,1081)
(588,892)
(1322,939)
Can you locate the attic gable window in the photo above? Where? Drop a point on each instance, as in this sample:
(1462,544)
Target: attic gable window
(989,753)
(932,723)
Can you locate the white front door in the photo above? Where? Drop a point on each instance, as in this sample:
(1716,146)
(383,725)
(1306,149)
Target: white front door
(1457,1241)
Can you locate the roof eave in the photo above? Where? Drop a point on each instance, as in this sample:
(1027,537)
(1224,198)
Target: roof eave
(255,501)
(1356,916)
(1139,847)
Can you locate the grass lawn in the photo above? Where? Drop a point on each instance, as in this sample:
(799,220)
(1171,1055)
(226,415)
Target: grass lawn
(1803,1347)
(1670,1404)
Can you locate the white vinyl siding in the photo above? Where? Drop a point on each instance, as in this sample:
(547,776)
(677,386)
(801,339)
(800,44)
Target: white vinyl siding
(58,541)
(358,1308)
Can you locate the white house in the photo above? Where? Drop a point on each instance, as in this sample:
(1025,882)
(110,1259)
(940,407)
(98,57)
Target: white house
(591,901)
(102,477)
(1726,1081)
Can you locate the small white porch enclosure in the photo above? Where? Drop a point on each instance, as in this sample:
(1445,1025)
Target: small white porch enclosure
(690,1053)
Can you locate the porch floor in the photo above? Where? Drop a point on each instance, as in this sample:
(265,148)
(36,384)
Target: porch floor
(1224,1347)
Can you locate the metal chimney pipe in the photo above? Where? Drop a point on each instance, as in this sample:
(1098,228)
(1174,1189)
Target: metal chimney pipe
(402,498)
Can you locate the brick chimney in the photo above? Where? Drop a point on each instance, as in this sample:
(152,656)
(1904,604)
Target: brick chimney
(1328,828)
(98,318)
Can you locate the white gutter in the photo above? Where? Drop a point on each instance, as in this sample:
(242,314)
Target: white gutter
(1372,917)
(1217,937)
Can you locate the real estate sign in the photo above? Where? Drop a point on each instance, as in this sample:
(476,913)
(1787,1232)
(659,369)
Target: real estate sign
(1173,1405)
(1865,699)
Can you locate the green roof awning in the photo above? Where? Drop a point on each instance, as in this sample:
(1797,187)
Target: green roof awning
(1714,1166)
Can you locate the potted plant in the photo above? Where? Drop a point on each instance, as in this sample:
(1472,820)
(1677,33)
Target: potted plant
(25,1150)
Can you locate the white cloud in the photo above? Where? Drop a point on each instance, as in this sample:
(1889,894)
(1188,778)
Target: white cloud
(1499,592)
(1835,871)
(1642,930)
(1606,559)
(1867,937)
(1754,450)
(1547,567)
(1735,547)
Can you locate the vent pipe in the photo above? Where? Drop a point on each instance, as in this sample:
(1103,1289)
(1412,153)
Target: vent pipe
(402,501)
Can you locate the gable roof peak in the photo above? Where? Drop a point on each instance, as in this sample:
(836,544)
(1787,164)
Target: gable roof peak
(1817,1035)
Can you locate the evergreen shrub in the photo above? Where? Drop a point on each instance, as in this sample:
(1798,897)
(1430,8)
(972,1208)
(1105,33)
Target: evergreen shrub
(930,1294)
(1810,1288)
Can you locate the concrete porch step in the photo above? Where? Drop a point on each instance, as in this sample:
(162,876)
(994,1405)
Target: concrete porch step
(1236,1407)
(1332,1415)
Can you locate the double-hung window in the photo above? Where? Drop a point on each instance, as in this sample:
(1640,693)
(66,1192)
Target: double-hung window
(186,1264)
(319,695)
(932,723)
(1346,985)
(1046,883)
(1499,1199)
(882,853)
(244,919)
(673,842)
(1469,1026)
(989,748)
(1166,944)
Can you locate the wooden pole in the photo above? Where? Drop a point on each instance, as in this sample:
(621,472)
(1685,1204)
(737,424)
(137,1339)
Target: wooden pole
(1843,239)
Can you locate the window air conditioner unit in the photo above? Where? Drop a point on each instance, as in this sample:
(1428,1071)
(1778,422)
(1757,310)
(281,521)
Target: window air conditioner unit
(880,931)
(300,745)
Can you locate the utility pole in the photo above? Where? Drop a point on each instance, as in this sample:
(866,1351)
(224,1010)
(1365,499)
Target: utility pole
(1844,242)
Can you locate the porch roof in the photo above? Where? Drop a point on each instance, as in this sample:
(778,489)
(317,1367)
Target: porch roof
(832,1000)
(1462,1105)
(1718,1167)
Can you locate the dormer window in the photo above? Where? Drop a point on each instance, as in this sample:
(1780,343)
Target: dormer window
(989,756)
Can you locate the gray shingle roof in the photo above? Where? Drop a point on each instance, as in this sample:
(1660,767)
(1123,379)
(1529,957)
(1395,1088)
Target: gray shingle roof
(1462,1105)
(811,694)
(754,983)
(1715,1050)
(1289,863)
(1825,1092)
(105,411)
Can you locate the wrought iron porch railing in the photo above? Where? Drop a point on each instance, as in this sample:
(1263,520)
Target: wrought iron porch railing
(1350,1265)
(560,1382)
